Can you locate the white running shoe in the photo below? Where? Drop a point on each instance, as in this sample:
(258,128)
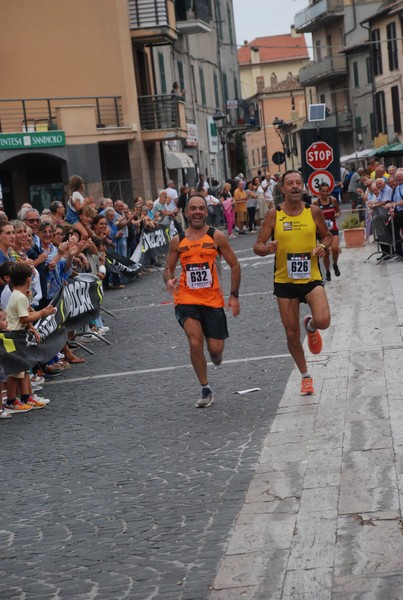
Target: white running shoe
(206,398)
(40,399)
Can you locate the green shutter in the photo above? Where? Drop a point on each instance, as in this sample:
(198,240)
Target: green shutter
(372,124)
(161,66)
(181,76)
(216,94)
(202,87)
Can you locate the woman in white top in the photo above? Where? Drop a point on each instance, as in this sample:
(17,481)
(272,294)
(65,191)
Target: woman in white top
(77,201)
(262,206)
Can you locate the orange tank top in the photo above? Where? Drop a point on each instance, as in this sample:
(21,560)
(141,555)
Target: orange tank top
(200,278)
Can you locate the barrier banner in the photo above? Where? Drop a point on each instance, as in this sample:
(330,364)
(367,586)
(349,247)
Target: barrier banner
(77,303)
(19,350)
(117,263)
(153,243)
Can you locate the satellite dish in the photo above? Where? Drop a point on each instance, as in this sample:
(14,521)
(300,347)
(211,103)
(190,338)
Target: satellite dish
(317,112)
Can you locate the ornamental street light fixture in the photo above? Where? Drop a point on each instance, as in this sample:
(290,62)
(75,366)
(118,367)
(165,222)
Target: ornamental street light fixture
(281,128)
(220,117)
(283,131)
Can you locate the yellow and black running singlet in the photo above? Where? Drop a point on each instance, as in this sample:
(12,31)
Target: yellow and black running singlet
(296,237)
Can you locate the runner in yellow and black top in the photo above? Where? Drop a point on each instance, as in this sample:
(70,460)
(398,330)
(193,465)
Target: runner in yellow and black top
(198,294)
(290,232)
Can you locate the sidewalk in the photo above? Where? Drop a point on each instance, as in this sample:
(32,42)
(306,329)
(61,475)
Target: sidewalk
(322,518)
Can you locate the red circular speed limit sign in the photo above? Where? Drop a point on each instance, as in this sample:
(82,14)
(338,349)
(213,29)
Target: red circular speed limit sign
(317,178)
(319,155)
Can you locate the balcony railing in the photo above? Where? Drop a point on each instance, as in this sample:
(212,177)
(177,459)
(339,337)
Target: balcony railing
(244,117)
(341,119)
(119,189)
(158,112)
(153,21)
(330,67)
(39,114)
(318,14)
(162,117)
(193,16)
(195,9)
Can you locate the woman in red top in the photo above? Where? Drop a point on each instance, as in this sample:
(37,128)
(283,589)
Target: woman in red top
(330,208)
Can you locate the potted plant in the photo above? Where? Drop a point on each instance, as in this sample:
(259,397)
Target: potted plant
(353,231)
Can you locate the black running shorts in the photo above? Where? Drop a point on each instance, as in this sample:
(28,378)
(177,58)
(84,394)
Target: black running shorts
(213,320)
(295,290)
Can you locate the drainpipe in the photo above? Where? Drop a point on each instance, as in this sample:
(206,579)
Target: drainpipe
(192,88)
(373,87)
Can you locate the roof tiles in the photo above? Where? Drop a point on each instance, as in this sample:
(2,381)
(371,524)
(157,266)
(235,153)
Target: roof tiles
(275,48)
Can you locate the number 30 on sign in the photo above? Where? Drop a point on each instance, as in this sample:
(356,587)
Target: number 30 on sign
(317,178)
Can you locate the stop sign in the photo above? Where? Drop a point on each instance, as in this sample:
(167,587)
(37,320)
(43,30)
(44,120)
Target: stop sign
(319,155)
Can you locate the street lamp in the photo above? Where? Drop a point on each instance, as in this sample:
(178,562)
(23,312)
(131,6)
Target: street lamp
(222,131)
(281,128)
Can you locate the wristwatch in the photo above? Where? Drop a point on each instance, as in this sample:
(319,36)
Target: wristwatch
(235,294)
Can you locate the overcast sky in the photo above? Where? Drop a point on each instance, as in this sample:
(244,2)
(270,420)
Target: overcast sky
(259,18)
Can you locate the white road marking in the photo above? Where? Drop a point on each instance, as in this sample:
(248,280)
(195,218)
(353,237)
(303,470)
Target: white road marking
(166,303)
(244,250)
(162,369)
(254,257)
(323,358)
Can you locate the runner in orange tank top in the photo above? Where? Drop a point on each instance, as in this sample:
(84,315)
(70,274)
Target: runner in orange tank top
(198,294)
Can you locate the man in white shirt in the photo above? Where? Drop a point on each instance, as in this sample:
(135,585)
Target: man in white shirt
(171,192)
(202,182)
(213,205)
(267,185)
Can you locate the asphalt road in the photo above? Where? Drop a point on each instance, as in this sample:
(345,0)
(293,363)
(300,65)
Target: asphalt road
(121,488)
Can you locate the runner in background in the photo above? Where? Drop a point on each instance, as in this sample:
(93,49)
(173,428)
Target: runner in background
(330,208)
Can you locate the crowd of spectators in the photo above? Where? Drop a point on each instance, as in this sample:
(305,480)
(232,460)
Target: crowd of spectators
(39,252)
(58,244)
(377,193)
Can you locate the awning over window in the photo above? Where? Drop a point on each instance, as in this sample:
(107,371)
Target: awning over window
(356,155)
(178,160)
(384,150)
(394,150)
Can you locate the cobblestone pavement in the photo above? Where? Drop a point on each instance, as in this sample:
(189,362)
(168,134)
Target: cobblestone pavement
(121,488)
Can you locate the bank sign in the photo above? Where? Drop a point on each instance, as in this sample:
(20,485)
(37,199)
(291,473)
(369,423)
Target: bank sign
(35,139)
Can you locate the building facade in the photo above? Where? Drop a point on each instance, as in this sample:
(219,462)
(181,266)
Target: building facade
(72,99)
(341,71)
(387,60)
(91,94)
(269,69)
(203,61)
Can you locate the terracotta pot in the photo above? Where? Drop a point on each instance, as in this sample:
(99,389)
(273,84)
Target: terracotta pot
(354,238)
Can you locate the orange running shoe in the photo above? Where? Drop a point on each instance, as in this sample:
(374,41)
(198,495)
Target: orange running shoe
(314,339)
(17,406)
(35,403)
(307,386)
